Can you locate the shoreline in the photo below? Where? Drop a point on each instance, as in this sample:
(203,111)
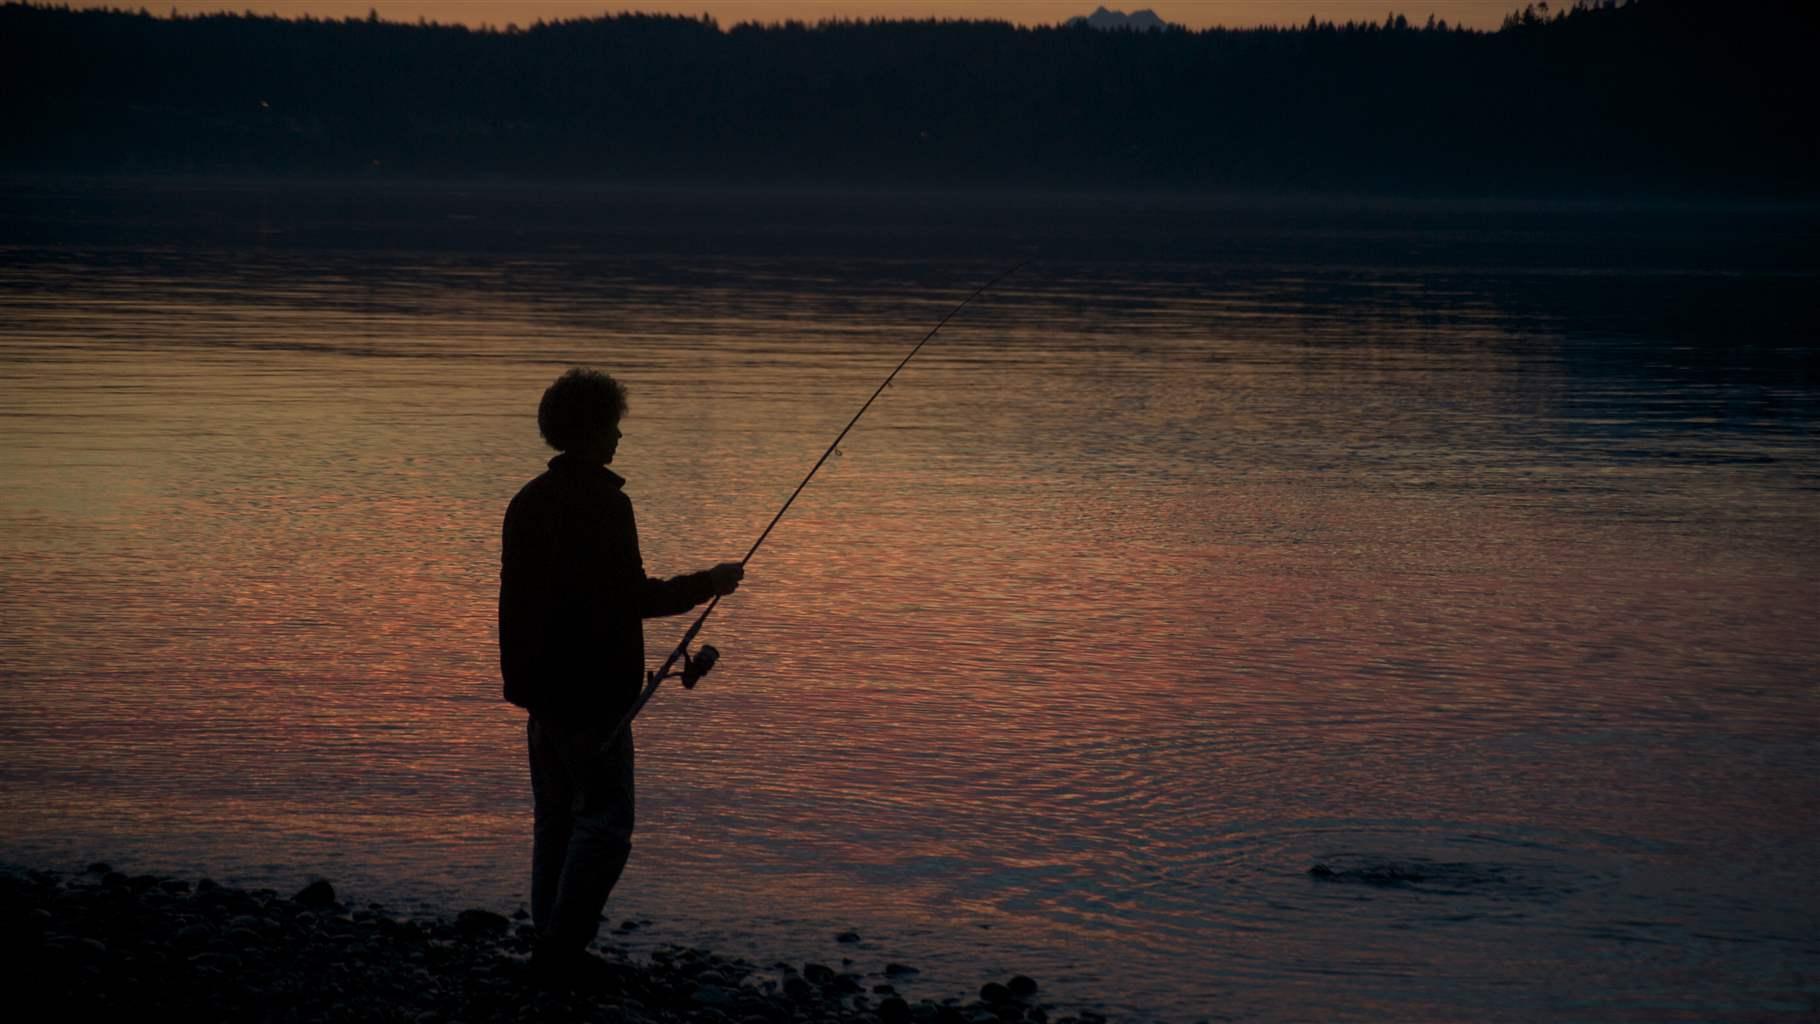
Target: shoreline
(99,939)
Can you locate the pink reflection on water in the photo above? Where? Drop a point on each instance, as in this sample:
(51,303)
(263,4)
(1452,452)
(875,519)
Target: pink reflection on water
(1087,637)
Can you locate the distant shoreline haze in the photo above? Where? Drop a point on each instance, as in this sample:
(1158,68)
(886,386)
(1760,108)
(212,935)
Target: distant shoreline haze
(1653,97)
(1484,14)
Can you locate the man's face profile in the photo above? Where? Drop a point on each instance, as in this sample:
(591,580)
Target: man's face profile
(607,442)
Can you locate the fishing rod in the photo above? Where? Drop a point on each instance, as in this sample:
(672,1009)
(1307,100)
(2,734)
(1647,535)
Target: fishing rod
(697,665)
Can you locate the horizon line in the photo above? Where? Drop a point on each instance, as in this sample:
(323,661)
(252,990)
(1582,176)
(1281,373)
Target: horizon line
(706,17)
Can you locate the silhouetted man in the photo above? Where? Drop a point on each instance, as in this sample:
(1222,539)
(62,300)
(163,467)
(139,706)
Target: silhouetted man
(572,594)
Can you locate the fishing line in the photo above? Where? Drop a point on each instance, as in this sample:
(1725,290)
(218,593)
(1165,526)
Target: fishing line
(697,665)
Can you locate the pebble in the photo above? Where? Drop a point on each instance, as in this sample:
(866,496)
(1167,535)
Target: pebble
(481,922)
(194,934)
(225,962)
(101,943)
(713,995)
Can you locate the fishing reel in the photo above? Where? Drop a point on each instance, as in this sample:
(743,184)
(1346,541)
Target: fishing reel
(694,667)
(697,666)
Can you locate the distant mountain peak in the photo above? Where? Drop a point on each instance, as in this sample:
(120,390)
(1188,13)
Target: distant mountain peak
(1145,20)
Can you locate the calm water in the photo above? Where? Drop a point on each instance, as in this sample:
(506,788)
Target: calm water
(1226,539)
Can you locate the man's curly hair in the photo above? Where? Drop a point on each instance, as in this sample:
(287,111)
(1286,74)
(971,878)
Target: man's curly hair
(575,409)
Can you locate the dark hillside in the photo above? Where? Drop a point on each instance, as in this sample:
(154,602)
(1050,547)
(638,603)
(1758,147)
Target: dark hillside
(1654,96)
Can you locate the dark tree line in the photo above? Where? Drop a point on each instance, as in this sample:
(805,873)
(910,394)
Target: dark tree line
(1652,95)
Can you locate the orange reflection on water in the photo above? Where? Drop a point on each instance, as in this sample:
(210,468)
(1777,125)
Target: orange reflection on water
(1095,634)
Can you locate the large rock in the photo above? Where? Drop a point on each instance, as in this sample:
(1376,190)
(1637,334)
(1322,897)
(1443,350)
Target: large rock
(317,894)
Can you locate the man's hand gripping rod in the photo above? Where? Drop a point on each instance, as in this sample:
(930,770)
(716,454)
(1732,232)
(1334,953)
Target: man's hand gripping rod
(697,665)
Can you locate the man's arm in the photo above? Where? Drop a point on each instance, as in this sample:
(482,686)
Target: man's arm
(662,595)
(654,597)
(678,594)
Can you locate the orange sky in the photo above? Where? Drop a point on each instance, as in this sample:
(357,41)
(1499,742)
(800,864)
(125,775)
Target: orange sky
(1196,13)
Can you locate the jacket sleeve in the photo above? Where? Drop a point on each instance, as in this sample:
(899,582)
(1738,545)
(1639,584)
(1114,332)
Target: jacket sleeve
(651,596)
(675,595)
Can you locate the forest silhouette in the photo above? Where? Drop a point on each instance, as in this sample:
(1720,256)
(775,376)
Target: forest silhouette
(1650,96)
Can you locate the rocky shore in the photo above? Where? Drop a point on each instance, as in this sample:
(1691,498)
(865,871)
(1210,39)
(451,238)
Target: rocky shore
(102,942)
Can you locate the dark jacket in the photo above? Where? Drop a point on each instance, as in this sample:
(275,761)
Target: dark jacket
(572,594)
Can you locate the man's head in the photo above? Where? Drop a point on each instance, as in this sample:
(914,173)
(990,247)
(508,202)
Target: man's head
(580,414)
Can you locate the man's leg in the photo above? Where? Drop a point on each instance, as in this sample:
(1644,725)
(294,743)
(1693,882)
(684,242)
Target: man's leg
(600,841)
(553,797)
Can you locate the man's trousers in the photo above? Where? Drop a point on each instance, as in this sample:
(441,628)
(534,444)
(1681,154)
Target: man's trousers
(582,833)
